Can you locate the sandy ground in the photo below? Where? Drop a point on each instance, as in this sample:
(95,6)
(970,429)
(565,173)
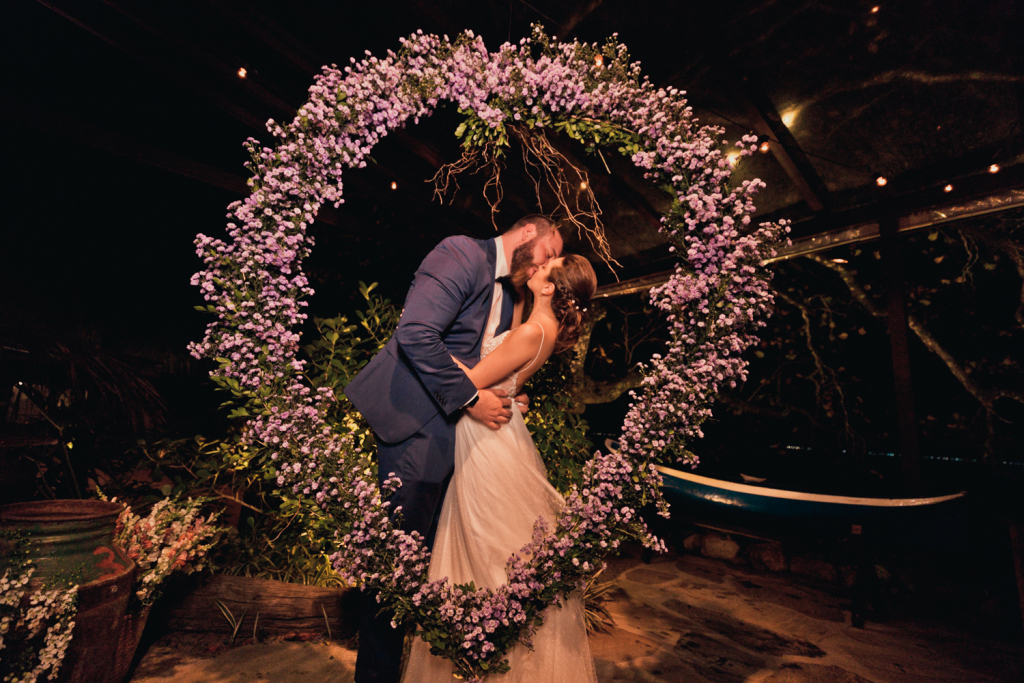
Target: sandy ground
(679,618)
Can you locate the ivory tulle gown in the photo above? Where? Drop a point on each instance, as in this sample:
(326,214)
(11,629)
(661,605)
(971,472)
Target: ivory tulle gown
(497,492)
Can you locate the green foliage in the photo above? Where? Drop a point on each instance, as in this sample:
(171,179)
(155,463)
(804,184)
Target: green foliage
(286,536)
(282,535)
(234,623)
(610,64)
(342,348)
(559,434)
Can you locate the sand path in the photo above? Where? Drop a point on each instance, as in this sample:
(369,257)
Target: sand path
(681,618)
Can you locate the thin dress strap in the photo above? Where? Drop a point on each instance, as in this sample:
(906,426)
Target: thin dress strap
(539,348)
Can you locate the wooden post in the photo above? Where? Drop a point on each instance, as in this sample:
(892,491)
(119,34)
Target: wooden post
(892,264)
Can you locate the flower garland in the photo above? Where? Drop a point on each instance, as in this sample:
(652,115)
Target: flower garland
(35,631)
(254,286)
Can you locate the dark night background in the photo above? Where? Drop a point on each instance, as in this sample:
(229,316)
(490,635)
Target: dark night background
(124,125)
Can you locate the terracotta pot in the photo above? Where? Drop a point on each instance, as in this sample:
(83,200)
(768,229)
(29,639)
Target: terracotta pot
(75,538)
(131,633)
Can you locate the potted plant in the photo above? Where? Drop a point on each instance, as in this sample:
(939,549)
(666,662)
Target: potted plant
(171,538)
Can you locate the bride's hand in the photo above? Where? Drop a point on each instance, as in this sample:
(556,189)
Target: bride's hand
(522,401)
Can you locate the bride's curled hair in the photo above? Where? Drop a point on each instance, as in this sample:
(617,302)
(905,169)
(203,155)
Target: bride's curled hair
(575,283)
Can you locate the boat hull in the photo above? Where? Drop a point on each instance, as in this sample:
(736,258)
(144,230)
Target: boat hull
(777,513)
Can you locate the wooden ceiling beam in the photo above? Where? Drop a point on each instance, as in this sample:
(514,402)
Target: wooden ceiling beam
(268,32)
(784,146)
(81,17)
(104,140)
(227,72)
(762,111)
(911,221)
(578,15)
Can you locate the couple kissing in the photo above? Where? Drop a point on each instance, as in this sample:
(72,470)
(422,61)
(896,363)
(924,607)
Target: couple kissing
(444,401)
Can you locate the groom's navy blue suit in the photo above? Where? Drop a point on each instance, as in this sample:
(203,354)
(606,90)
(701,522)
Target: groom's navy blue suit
(411,393)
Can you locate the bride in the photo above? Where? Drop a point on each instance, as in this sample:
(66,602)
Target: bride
(500,487)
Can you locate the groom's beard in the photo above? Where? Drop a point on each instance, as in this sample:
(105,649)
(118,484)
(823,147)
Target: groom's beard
(522,262)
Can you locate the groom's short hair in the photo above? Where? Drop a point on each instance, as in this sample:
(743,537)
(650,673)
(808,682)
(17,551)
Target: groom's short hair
(544,223)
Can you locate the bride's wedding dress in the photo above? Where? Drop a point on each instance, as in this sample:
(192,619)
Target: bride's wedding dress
(497,492)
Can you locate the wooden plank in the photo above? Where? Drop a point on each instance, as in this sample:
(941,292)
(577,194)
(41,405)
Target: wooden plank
(282,607)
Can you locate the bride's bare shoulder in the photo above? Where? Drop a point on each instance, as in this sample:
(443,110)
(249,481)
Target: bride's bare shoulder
(534,333)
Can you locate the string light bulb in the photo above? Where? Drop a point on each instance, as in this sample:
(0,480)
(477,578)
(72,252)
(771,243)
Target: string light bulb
(242,73)
(394,185)
(947,188)
(874,10)
(994,168)
(881,181)
(583,185)
(599,60)
(839,260)
(765,147)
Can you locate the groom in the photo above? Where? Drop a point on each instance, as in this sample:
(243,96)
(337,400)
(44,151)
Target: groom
(412,393)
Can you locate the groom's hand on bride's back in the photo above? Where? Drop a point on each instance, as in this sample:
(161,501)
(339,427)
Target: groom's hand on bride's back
(491,409)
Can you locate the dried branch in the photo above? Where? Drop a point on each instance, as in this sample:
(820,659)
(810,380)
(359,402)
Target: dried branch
(575,199)
(475,159)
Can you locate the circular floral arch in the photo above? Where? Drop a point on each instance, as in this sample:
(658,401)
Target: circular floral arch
(254,285)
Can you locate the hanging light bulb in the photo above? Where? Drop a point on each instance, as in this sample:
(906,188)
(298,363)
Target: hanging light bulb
(583,186)
(874,10)
(839,260)
(242,73)
(599,60)
(394,185)
(994,168)
(947,188)
(881,181)
(765,147)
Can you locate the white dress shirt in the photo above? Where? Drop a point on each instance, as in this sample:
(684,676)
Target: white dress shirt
(500,270)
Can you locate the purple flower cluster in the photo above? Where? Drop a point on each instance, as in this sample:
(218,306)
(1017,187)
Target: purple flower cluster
(254,285)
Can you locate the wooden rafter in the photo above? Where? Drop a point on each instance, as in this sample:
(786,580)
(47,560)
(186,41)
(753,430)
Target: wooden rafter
(763,112)
(913,220)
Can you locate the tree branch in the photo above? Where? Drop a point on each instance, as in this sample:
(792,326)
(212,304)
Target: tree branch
(586,391)
(823,395)
(986,397)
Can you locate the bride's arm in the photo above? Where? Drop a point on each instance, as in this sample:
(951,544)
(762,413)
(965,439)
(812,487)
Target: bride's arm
(521,347)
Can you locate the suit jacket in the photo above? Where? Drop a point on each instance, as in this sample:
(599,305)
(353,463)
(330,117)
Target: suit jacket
(414,378)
